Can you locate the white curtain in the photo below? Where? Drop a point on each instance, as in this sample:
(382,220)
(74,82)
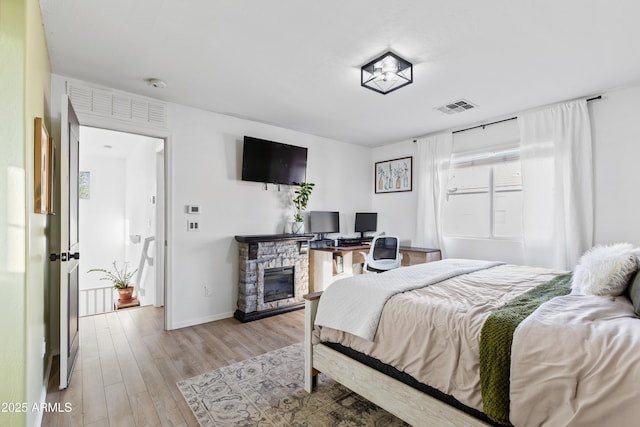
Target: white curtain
(557,184)
(432,168)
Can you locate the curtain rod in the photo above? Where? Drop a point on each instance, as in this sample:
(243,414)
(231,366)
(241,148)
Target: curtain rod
(505,120)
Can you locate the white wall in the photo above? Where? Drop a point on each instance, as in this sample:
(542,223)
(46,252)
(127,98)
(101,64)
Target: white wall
(101,218)
(206,154)
(615,128)
(396,211)
(140,213)
(616,146)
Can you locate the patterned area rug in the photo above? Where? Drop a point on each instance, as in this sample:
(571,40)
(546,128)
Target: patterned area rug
(268,391)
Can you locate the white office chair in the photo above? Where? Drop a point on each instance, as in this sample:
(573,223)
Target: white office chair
(384,254)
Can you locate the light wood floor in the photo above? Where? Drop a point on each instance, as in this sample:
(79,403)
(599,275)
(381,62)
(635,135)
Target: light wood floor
(127,367)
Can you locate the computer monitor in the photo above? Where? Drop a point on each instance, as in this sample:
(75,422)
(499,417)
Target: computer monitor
(366,221)
(322,222)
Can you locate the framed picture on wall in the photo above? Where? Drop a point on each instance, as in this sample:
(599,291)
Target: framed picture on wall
(43,169)
(84,185)
(392,176)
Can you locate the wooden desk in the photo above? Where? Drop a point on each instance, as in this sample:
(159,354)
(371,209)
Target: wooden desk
(413,255)
(326,265)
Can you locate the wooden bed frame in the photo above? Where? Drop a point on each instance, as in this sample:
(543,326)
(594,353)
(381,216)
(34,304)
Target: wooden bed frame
(403,401)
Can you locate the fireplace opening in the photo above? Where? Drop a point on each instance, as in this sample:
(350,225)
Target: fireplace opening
(278,284)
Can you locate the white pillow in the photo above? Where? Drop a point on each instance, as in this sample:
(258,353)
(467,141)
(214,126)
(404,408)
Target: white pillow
(605,270)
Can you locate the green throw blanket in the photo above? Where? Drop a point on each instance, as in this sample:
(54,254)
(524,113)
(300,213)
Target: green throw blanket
(495,344)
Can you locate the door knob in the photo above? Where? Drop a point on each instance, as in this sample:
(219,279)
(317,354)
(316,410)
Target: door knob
(62,257)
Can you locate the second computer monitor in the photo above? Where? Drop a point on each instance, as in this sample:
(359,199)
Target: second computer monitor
(366,221)
(322,222)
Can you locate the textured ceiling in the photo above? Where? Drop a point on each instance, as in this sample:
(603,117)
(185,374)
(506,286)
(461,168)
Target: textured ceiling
(296,63)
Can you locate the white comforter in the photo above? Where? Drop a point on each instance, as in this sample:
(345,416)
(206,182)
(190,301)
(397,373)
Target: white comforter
(575,361)
(354,304)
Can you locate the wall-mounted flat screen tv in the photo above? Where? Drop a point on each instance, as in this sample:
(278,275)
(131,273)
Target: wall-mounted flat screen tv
(273,162)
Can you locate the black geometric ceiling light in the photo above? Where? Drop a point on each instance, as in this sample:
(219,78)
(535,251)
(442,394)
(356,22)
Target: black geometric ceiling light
(387,73)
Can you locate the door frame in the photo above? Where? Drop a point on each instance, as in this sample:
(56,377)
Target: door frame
(106,123)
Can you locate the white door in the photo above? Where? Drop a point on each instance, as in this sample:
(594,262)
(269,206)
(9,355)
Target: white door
(69,240)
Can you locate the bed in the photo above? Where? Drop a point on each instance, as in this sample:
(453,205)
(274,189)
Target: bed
(569,359)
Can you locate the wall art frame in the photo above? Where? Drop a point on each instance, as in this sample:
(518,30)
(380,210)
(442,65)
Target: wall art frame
(393,176)
(43,165)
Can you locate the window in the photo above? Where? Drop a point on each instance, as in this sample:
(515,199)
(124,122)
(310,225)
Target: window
(484,195)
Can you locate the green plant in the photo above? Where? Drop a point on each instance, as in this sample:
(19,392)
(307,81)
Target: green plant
(301,198)
(121,278)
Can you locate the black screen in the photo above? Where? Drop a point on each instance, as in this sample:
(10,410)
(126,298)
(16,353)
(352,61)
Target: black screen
(366,221)
(273,162)
(324,222)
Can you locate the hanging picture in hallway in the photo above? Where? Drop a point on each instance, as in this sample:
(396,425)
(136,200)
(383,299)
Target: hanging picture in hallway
(84,179)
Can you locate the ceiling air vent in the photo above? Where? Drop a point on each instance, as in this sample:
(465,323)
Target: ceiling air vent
(458,106)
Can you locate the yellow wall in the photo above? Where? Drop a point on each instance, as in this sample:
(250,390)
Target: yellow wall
(25,88)
(12,209)
(37,93)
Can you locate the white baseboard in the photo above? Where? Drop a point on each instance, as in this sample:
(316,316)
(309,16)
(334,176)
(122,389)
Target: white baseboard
(206,319)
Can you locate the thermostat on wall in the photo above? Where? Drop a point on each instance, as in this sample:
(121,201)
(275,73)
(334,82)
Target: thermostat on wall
(193,209)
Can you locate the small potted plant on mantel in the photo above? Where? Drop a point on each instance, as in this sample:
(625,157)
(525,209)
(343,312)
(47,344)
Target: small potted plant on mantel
(121,279)
(300,199)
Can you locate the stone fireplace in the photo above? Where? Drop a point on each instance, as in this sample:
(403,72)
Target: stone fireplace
(274,274)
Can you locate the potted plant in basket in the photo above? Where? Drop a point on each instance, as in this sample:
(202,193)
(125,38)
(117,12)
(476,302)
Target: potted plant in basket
(300,199)
(121,279)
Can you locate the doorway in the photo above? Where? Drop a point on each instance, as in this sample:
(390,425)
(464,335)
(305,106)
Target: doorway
(121,216)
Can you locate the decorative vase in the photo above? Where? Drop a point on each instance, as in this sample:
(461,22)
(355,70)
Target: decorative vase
(297,227)
(125,294)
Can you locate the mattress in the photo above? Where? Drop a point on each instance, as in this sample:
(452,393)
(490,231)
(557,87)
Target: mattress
(433,333)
